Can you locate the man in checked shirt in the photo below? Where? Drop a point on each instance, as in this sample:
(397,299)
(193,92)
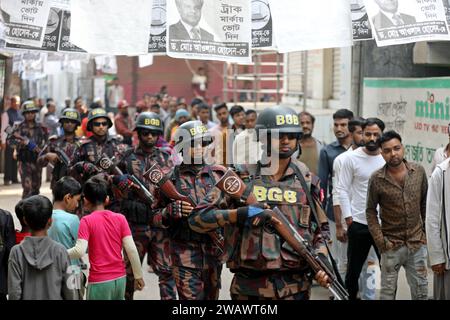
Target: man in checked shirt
(399,188)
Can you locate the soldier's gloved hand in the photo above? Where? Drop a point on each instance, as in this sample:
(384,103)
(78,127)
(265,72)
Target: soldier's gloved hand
(122,182)
(245,214)
(173,210)
(31,145)
(89,169)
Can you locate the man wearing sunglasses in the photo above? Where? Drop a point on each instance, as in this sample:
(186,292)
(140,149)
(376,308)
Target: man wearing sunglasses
(195,256)
(91,150)
(264,266)
(67,143)
(138,211)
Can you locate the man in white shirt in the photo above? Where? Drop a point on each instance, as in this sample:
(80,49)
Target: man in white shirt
(354,176)
(442,153)
(246,149)
(115,94)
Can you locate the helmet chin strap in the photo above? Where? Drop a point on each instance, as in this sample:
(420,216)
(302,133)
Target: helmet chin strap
(285,155)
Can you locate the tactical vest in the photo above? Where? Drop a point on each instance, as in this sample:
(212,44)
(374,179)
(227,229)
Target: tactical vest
(261,248)
(136,211)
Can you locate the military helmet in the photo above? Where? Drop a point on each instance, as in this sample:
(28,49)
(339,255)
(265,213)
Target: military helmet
(280,118)
(29,106)
(149,121)
(97,113)
(191,131)
(70,114)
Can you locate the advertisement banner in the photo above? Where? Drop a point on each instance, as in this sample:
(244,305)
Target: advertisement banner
(261,24)
(360,21)
(158,32)
(404,21)
(25,21)
(209,30)
(51,38)
(418,109)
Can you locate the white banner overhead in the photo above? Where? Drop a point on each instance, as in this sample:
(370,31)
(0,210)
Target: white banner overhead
(209,30)
(25,21)
(308,25)
(118,27)
(145,60)
(405,21)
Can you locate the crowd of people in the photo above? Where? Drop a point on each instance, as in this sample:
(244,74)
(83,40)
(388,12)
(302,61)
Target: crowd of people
(193,193)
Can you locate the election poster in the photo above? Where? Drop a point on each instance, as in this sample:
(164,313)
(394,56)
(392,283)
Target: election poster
(113,27)
(209,30)
(404,21)
(309,25)
(415,108)
(261,24)
(360,21)
(64,35)
(51,37)
(447,10)
(25,21)
(157,42)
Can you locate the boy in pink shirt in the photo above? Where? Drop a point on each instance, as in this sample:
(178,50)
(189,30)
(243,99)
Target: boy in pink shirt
(106,233)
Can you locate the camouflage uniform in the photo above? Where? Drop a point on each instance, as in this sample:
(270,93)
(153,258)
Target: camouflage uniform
(88,155)
(264,266)
(60,170)
(30,172)
(196,259)
(153,241)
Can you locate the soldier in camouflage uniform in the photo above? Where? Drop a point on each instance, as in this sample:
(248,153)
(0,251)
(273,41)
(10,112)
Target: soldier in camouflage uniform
(139,212)
(33,138)
(264,266)
(195,256)
(68,143)
(85,162)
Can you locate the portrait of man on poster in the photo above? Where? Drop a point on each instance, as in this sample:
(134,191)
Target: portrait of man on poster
(187,28)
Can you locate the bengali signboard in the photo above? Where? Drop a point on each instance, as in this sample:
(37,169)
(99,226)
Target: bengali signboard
(418,109)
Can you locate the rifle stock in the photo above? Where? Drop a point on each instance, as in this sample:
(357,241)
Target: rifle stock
(232,185)
(156,176)
(107,164)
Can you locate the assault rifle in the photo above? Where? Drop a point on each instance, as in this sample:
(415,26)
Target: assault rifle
(15,139)
(231,184)
(157,176)
(106,164)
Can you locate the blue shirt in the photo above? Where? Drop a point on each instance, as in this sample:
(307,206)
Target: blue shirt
(64,229)
(326,159)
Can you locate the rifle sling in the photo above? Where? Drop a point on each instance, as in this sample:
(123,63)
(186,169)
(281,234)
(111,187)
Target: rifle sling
(313,209)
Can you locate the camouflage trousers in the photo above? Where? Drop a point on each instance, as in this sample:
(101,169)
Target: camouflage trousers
(198,284)
(159,260)
(31,177)
(270,286)
(151,242)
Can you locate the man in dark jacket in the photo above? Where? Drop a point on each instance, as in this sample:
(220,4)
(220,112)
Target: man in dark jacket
(7,241)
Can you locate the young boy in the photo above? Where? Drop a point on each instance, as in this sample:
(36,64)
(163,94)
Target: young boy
(25,231)
(38,268)
(65,223)
(106,233)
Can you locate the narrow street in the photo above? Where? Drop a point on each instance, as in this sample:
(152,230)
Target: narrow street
(10,195)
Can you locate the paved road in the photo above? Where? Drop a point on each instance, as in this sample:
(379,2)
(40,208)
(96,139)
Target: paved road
(10,195)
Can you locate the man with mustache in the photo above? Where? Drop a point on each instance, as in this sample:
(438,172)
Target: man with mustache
(352,187)
(328,153)
(310,146)
(399,189)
